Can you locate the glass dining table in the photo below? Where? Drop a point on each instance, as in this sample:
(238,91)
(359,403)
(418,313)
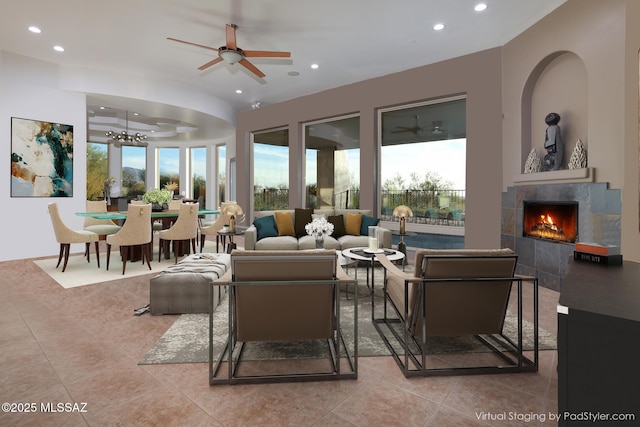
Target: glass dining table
(122,215)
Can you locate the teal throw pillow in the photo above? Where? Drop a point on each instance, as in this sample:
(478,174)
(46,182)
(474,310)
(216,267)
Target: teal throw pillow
(266,227)
(368,221)
(303,217)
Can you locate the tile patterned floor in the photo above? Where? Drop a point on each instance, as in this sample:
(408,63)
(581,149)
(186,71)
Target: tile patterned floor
(83,345)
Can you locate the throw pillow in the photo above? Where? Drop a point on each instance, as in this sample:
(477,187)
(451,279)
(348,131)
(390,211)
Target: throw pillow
(284,222)
(266,227)
(303,217)
(338,225)
(353,223)
(368,221)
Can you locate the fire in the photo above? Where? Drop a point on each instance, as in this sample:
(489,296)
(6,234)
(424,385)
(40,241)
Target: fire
(547,222)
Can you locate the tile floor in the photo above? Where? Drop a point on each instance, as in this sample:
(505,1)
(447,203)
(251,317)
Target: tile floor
(82,345)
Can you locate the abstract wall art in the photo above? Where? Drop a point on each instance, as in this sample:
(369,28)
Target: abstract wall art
(41,159)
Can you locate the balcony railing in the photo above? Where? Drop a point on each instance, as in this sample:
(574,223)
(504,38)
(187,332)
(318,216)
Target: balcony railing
(442,207)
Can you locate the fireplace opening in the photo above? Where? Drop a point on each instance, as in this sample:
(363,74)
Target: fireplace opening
(555,221)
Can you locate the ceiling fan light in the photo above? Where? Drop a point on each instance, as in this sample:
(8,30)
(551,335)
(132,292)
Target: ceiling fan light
(230,56)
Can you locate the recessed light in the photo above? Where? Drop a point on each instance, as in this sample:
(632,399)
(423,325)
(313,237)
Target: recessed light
(480,7)
(35,29)
(314,66)
(293,73)
(102,108)
(438,27)
(238,91)
(58,48)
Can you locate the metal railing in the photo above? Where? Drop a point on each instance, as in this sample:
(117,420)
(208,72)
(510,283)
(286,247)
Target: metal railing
(443,207)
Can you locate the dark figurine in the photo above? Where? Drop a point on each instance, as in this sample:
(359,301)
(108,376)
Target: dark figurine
(553,143)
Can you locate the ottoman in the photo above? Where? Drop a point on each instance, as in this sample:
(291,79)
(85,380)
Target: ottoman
(184,287)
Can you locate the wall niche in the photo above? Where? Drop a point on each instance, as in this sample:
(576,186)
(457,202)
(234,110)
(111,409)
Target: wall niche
(557,84)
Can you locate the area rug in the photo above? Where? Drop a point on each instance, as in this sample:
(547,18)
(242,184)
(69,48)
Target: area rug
(79,272)
(186,341)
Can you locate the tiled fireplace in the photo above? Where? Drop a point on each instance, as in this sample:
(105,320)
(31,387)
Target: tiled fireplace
(556,216)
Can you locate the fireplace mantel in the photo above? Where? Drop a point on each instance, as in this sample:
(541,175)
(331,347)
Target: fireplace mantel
(563,176)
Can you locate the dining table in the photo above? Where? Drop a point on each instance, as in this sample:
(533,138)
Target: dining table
(165,216)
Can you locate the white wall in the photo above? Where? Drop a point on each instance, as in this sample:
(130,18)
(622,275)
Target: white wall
(39,90)
(29,89)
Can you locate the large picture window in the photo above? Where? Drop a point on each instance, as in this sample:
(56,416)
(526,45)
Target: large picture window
(199,174)
(332,158)
(97,169)
(221,159)
(271,170)
(423,161)
(134,171)
(169,168)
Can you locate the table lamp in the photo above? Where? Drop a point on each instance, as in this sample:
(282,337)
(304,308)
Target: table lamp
(403,212)
(233,209)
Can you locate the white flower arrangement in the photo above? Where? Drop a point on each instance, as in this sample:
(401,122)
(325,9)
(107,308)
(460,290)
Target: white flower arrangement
(319,228)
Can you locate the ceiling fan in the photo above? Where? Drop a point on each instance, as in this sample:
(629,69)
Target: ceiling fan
(232,54)
(436,128)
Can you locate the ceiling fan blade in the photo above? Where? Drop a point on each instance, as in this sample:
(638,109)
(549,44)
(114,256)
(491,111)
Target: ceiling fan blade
(266,54)
(210,63)
(231,37)
(249,66)
(193,44)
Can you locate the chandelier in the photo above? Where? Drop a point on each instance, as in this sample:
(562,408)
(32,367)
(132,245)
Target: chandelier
(125,138)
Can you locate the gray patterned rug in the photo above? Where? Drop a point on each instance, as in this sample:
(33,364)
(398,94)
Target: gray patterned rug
(186,341)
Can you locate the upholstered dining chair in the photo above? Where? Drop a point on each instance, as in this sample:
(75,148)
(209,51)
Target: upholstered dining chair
(66,236)
(156,225)
(102,228)
(185,229)
(212,230)
(135,231)
(175,204)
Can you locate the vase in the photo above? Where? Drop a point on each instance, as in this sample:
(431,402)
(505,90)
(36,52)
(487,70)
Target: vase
(319,243)
(156,207)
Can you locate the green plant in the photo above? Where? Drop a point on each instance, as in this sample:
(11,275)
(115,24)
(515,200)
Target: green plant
(157,197)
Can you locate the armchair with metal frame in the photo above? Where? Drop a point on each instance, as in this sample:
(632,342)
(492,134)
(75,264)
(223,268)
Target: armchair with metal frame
(279,297)
(456,293)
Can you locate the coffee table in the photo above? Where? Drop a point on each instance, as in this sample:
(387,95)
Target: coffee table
(364,255)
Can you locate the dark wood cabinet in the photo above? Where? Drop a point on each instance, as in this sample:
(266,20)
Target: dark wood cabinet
(599,345)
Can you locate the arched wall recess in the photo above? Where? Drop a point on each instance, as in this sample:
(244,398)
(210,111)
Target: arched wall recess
(559,84)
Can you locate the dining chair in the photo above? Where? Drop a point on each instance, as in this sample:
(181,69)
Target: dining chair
(156,225)
(185,229)
(66,236)
(135,231)
(212,230)
(101,227)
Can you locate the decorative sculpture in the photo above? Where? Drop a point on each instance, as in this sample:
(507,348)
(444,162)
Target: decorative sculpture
(578,158)
(533,164)
(553,143)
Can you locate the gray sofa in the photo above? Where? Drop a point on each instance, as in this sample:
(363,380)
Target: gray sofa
(251,241)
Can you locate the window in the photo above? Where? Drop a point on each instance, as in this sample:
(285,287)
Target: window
(134,171)
(169,168)
(199,174)
(97,169)
(423,160)
(271,170)
(332,157)
(221,156)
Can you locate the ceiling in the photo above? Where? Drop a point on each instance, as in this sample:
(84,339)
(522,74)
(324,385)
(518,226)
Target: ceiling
(349,40)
